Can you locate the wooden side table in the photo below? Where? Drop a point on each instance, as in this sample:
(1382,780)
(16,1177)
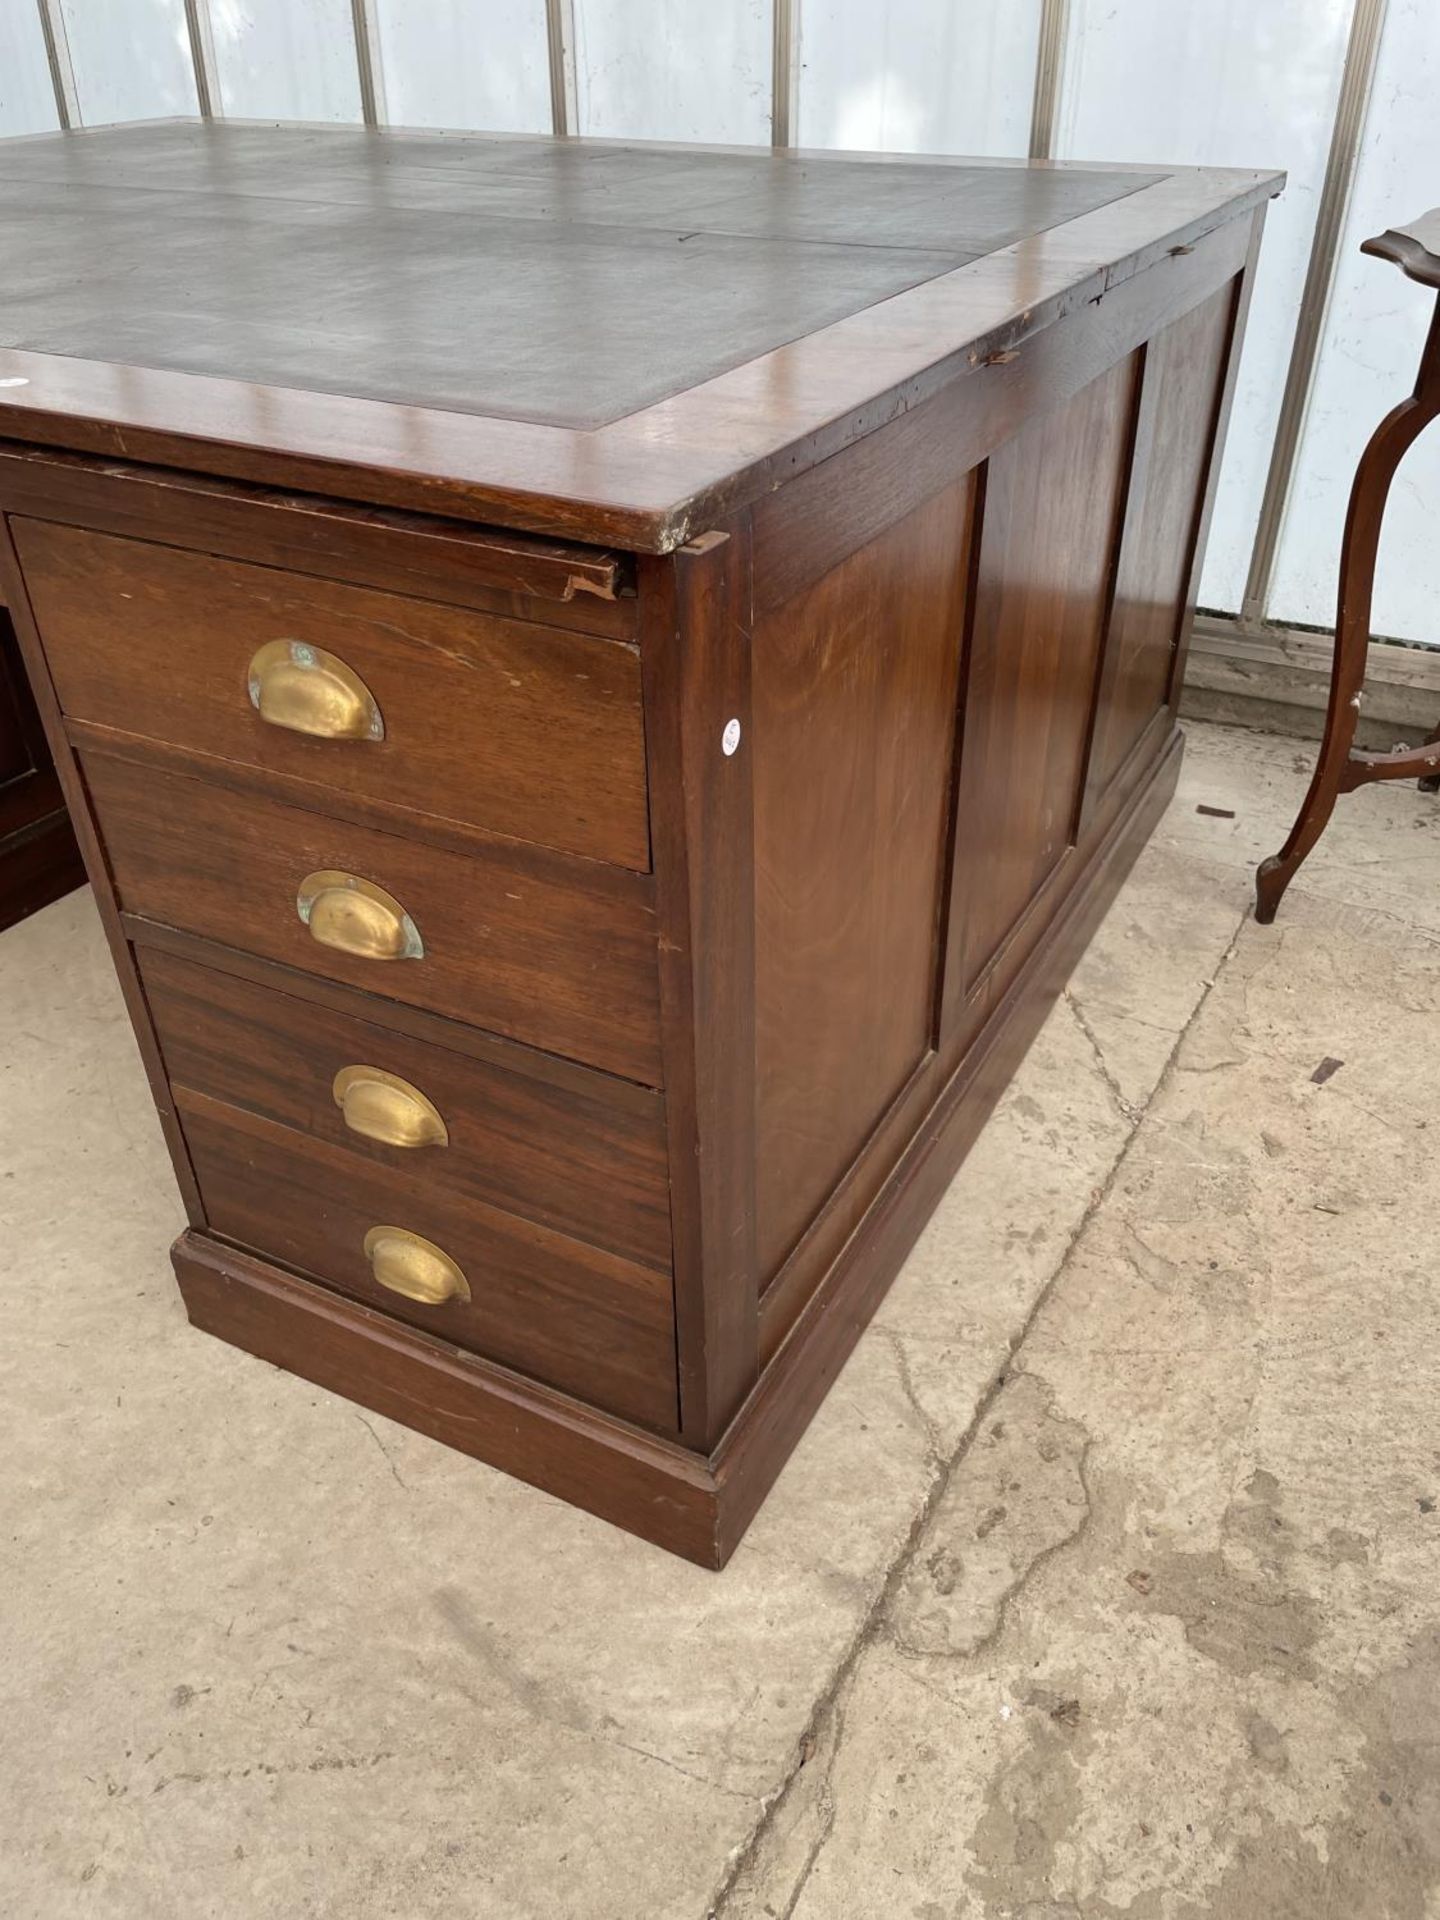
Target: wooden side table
(1341,769)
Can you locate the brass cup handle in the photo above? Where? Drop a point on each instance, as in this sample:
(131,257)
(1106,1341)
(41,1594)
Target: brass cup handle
(355,916)
(406,1264)
(383,1107)
(308,690)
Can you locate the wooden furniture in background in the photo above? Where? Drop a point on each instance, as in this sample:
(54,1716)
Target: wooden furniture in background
(39,860)
(604,688)
(1342,767)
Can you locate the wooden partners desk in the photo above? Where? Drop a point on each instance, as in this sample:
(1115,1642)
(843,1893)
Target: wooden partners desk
(604,690)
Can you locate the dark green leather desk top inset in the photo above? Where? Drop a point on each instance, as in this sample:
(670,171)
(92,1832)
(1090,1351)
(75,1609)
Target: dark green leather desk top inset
(569,284)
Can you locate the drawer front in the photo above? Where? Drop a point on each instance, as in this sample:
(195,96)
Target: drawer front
(571,1150)
(548,1306)
(434,711)
(563,960)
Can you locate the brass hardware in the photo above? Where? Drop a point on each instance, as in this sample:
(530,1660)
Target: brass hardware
(403,1262)
(355,916)
(310,691)
(383,1107)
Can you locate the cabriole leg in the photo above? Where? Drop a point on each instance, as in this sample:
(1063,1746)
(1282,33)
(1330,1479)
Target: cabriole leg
(1388,445)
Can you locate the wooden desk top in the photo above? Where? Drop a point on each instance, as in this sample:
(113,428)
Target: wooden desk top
(606,341)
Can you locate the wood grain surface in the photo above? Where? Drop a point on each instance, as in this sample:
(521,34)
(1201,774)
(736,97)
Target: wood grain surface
(697,649)
(420,555)
(559,957)
(856,682)
(693,1505)
(1053,498)
(571,1157)
(630,1476)
(1175,437)
(526,730)
(547,1304)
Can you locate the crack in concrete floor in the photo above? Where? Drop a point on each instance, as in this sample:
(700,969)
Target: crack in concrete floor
(1285,1789)
(881,1612)
(1162,1645)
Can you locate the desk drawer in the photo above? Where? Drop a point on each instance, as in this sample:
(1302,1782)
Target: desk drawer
(444,714)
(559,954)
(557,1309)
(557,1144)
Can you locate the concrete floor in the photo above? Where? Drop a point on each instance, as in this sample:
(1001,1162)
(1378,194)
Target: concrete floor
(1106,1583)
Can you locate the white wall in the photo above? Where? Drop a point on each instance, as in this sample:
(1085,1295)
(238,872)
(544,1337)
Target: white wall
(285,59)
(1236,83)
(451,63)
(131,58)
(27,100)
(674,69)
(1371,348)
(1221,82)
(918,76)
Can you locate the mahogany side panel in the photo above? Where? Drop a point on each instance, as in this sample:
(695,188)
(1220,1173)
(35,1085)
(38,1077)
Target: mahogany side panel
(1053,501)
(810,524)
(1175,437)
(1244,289)
(1051,725)
(855,686)
(806,1349)
(804,530)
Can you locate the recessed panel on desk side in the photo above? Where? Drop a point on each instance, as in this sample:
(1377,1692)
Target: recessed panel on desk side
(1175,438)
(854,699)
(1053,500)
